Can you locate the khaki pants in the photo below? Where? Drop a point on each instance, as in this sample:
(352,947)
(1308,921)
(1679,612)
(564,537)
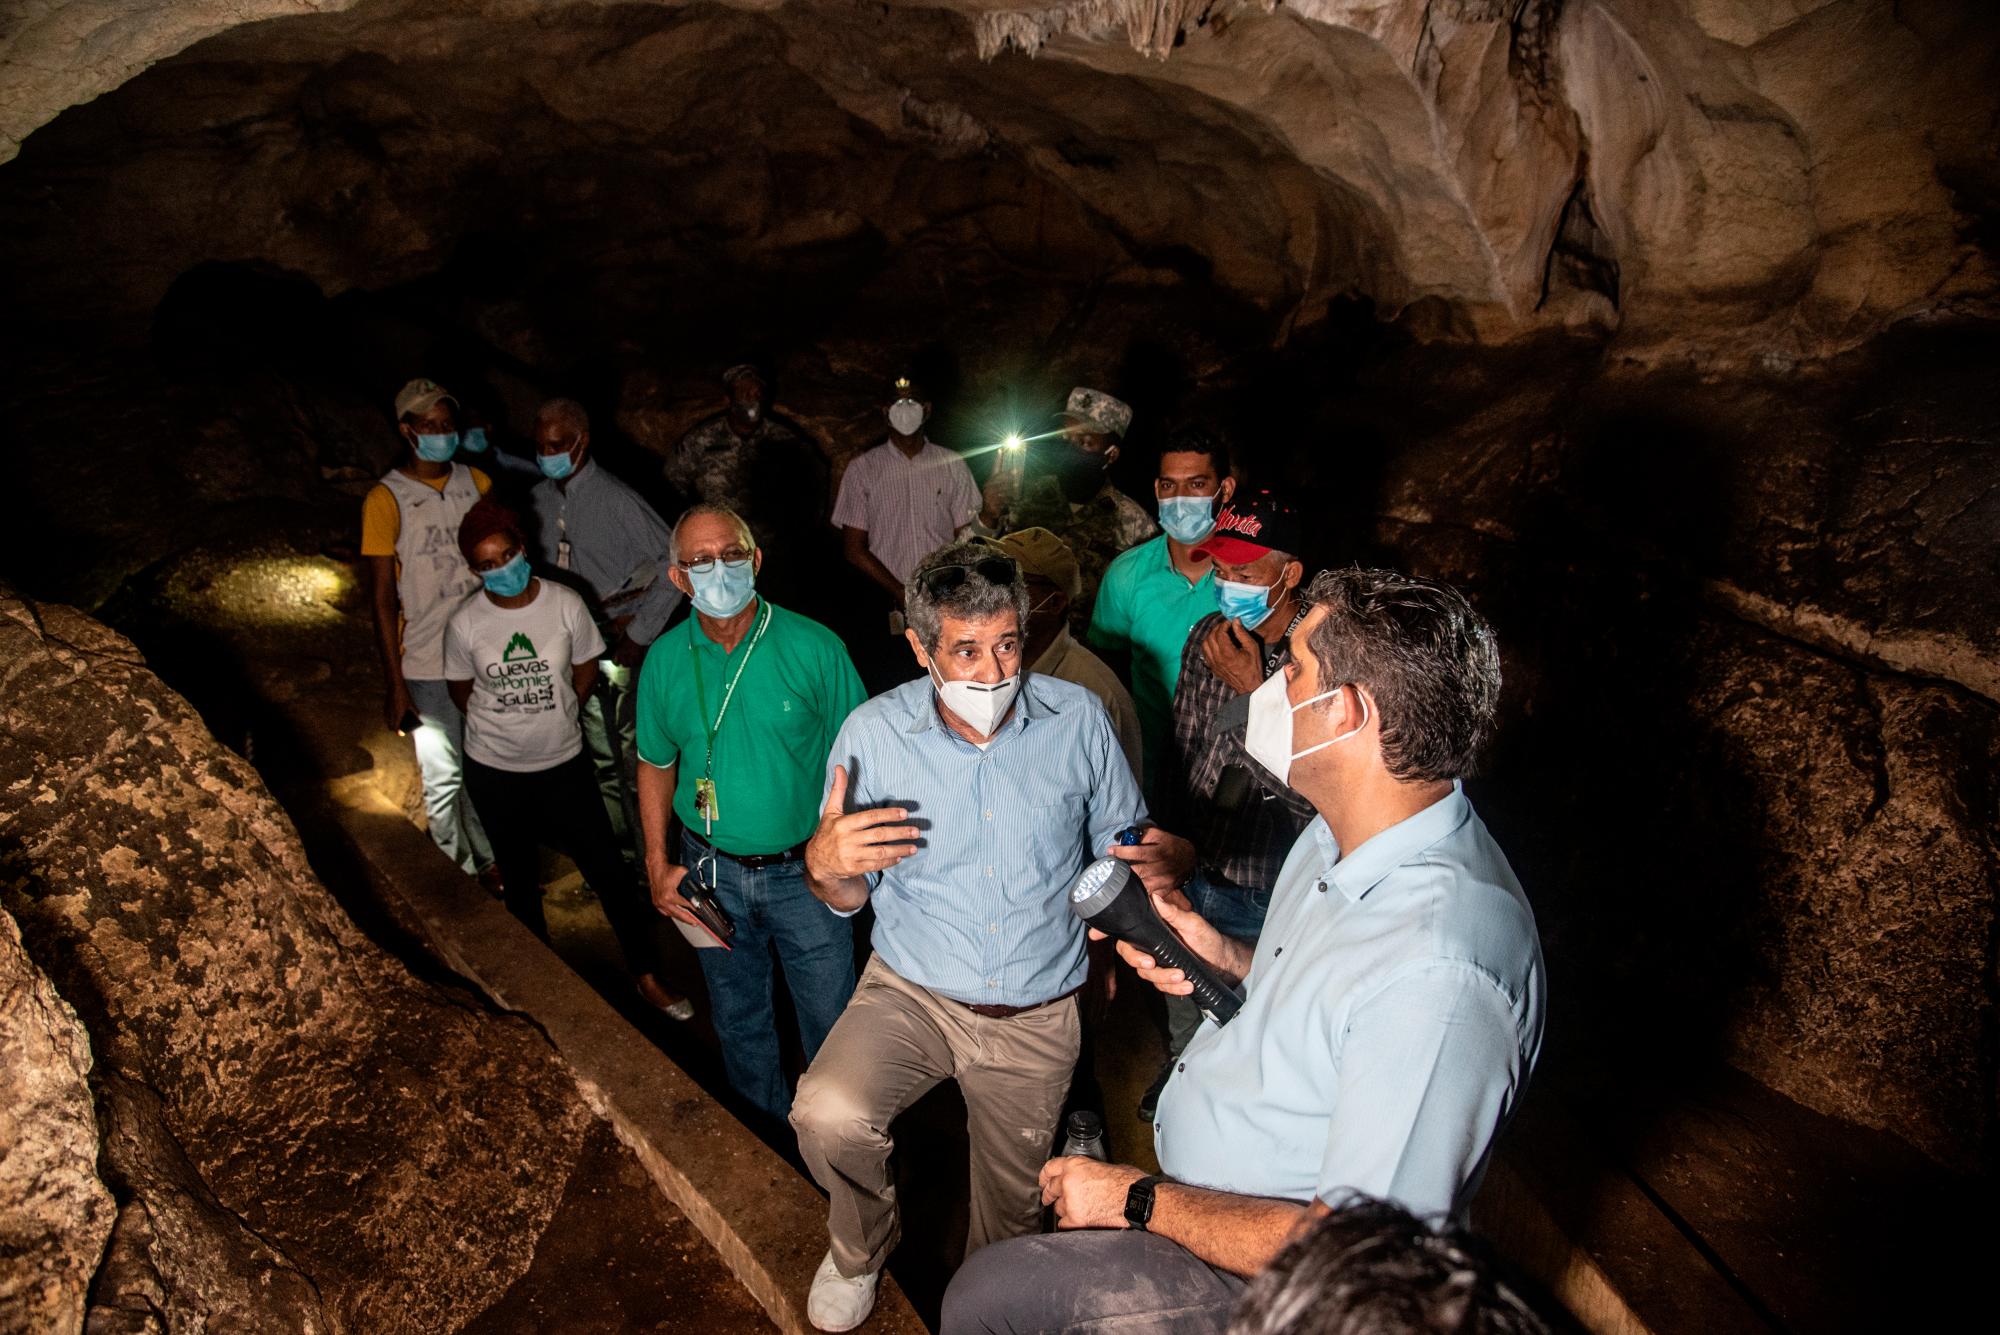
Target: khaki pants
(891,1046)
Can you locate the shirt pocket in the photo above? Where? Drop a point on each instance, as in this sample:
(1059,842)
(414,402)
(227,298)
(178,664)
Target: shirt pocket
(1057,846)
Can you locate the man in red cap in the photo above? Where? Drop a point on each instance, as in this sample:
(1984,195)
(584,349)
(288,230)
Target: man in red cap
(1241,819)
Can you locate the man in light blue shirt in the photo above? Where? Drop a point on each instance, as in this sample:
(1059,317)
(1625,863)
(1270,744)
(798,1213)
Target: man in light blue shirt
(595,534)
(962,806)
(1392,1006)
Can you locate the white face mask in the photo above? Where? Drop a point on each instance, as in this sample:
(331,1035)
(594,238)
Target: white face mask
(980,705)
(1268,739)
(906,416)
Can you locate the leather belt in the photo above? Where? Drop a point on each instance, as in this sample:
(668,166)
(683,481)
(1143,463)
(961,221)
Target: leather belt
(755,861)
(1009,1012)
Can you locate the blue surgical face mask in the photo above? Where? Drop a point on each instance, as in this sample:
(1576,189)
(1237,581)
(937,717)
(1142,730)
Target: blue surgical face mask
(1188,519)
(556,467)
(474,440)
(509,579)
(1247,603)
(436,449)
(725,590)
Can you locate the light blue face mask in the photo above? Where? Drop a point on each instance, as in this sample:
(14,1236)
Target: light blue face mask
(556,467)
(437,449)
(724,590)
(474,440)
(1188,518)
(509,579)
(1247,603)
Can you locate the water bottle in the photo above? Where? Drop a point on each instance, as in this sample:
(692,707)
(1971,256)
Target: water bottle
(1084,1134)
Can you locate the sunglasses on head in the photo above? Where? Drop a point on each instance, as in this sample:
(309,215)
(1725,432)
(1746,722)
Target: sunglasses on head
(941,580)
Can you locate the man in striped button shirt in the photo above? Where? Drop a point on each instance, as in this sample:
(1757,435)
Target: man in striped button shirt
(962,806)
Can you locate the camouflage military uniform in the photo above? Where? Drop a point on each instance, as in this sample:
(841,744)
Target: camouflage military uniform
(776,479)
(1096,530)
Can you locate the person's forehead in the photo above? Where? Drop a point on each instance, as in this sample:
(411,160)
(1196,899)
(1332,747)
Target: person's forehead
(496,543)
(1186,464)
(957,630)
(437,412)
(706,533)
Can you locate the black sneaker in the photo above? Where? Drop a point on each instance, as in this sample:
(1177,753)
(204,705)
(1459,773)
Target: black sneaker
(1149,1102)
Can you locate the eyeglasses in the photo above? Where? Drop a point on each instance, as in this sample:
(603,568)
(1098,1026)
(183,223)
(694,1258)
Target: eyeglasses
(734,558)
(941,580)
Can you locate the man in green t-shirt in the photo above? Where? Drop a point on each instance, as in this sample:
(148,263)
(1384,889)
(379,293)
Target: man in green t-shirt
(738,707)
(1154,593)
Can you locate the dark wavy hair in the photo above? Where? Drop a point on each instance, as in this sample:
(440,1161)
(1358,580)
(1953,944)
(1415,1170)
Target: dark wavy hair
(1426,658)
(1373,1268)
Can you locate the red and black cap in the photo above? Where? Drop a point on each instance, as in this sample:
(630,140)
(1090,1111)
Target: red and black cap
(1248,527)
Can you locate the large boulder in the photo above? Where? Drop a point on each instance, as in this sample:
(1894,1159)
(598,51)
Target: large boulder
(55,1214)
(308,1137)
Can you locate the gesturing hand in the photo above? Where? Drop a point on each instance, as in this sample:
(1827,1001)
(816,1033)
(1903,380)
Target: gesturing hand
(850,844)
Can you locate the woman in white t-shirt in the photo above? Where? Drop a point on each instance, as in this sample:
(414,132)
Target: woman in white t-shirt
(518,657)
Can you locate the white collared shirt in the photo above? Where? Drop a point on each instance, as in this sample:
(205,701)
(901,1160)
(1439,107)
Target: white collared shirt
(909,507)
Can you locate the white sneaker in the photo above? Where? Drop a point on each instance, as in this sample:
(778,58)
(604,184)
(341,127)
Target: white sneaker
(838,1303)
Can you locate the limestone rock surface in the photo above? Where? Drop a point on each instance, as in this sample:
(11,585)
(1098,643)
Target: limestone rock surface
(310,1137)
(1722,178)
(55,1214)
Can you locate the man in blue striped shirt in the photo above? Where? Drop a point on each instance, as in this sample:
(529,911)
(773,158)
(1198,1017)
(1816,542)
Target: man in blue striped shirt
(979,793)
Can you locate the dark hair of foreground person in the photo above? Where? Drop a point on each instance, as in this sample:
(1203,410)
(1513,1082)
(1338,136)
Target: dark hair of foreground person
(1373,1268)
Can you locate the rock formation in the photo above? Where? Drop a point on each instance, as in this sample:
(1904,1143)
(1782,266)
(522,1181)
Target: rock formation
(1733,177)
(54,1213)
(301,1135)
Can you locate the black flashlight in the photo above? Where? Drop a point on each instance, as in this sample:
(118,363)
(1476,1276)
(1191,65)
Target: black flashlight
(1109,897)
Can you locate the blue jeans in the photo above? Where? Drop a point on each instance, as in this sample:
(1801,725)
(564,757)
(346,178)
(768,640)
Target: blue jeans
(1234,910)
(440,745)
(771,907)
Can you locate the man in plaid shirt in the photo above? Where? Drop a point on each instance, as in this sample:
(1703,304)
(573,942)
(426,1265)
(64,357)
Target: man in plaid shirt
(1241,819)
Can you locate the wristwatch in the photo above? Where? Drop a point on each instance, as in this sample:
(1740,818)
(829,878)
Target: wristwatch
(1139,1202)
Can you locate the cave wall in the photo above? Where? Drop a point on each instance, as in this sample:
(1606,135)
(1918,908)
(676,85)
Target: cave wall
(1726,178)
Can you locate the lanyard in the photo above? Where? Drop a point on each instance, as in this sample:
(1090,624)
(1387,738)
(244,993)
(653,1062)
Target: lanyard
(728,692)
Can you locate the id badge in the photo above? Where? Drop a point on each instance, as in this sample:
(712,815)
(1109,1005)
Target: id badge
(704,803)
(562,554)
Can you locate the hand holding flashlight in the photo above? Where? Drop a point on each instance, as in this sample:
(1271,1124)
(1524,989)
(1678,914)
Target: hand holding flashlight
(1170,945)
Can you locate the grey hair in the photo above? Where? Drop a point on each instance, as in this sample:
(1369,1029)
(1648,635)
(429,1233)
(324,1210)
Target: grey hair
(722,512)
(974,600)
(565,413)
(1426,658)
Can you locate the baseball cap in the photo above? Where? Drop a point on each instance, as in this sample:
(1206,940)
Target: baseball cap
(1248,527)
(1099,411)
(420,396)
(1040,552)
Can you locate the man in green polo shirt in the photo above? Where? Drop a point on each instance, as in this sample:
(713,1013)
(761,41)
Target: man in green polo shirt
(1154,593)
(738,707)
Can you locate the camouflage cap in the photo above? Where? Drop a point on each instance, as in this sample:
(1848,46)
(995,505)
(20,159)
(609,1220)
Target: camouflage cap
(1040,552)
(1099,411)
(420,396)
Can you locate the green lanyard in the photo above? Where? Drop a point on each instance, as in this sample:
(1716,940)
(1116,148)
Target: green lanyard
(728,692)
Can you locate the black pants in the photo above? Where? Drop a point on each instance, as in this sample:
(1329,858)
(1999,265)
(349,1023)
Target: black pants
(560,806)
